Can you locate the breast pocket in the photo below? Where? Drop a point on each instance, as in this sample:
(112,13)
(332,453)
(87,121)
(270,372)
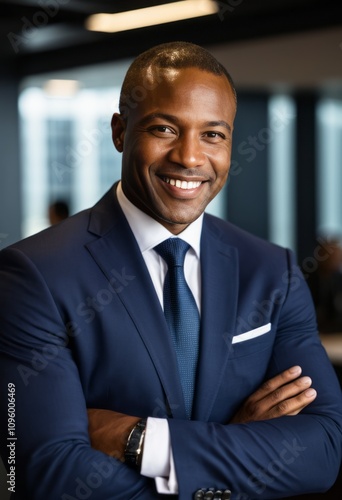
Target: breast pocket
(253,341)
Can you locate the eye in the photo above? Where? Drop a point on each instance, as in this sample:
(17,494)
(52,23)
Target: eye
(161,130)
(214,136)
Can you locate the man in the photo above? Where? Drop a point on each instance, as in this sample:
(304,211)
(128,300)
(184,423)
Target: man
(103,410)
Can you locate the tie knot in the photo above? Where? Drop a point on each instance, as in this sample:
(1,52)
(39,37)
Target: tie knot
(173,251)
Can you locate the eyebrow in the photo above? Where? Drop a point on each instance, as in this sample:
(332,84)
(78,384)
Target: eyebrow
(175,119)
(219,123)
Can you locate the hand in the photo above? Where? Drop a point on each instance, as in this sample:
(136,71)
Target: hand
(285,394)
(109,430)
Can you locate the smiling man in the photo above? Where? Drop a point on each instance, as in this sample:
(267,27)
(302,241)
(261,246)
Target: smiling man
(176,153)
(141,362)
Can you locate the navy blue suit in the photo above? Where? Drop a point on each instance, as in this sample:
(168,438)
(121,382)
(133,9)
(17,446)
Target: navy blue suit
(81,326)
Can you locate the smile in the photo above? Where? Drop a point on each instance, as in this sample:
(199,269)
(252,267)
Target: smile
(182,184)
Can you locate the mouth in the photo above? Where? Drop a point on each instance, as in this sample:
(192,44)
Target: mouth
(182,184)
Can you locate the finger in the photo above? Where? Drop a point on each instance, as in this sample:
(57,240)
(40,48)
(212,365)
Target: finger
(274,383)
(279,402)
(288,391)
(294,405)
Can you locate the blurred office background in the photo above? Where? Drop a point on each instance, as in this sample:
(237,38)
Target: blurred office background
(59,85)
(60,82)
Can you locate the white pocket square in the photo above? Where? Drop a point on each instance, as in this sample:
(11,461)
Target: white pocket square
(251,334)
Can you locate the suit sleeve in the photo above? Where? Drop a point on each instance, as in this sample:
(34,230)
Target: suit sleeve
(280,457)
(52,454)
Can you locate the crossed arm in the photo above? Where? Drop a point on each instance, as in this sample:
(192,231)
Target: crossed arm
(52,401)
(286,394)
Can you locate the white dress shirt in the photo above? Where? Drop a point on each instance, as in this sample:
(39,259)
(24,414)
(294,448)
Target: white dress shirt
(157,460)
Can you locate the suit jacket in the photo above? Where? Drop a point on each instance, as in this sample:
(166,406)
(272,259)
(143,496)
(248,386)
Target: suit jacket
(81,326)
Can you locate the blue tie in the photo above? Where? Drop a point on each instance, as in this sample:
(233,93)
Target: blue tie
(181,314)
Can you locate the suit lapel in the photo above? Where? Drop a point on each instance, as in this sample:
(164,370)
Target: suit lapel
(117,253)
(219,306)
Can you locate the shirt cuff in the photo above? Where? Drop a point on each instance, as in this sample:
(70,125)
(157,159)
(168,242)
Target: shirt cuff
(157,460)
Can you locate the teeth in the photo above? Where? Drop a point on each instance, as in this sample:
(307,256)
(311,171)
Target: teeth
(183,184)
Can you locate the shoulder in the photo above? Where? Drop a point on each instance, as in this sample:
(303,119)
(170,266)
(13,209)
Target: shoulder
(239,238)
(70,237)
(55,239)
(254,254)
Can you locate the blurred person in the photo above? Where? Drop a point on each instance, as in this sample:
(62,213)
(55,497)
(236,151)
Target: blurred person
(326,286)
(58,211)
(115,400)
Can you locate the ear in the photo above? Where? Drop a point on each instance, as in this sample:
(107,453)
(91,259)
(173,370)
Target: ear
(118,131)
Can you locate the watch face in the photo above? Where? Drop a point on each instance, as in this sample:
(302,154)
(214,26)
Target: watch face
(134,445)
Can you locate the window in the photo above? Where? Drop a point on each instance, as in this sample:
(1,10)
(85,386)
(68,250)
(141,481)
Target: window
(282,200)
(329,167)
(67,151)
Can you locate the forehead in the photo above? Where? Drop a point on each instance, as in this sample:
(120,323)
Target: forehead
(185,89)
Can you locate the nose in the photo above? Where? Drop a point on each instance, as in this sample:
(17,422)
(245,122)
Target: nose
(187,151)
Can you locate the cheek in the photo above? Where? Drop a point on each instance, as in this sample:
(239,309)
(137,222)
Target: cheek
(144,155)
(133,160)
(222,165)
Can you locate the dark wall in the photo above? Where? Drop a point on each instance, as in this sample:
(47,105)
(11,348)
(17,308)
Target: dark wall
(10,186)
(247,203)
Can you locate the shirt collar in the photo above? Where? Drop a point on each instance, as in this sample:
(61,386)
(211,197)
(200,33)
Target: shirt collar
(149,233)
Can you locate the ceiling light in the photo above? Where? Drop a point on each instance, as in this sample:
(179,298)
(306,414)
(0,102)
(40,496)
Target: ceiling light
(61,88)
(150,16)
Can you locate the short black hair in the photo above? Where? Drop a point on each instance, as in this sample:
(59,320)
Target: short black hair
(175,55)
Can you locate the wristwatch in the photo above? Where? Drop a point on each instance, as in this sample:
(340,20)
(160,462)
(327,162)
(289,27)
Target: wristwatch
(134,445)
